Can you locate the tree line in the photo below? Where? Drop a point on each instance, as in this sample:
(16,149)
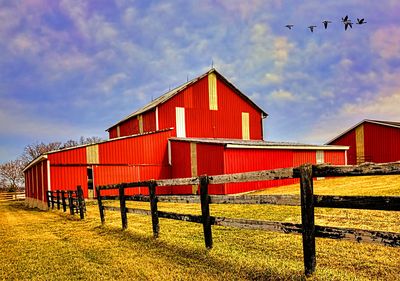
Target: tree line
(11,172)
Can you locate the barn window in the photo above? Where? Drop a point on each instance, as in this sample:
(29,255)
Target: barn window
(140,120)
(245,126)
(180,122)
(212,91)
(118,132)
(92,154)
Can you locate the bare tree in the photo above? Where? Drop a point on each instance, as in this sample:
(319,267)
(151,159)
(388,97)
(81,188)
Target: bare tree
(32,151)
(11,174)
(89,140)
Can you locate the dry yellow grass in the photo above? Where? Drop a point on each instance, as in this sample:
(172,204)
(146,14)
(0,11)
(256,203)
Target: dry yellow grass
(38,245)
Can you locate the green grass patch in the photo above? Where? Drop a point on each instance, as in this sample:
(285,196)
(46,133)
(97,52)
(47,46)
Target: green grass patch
(37,245)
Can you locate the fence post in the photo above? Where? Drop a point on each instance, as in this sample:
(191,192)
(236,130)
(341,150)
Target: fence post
(81,201)
(307,218)
(100,203)
(64,204)
(122,204)
(48,198)
(52,200)
(70,202)
(58,199)
(153,208)
(205,211)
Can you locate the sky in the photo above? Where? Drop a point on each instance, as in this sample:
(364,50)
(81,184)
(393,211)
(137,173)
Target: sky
(72,68)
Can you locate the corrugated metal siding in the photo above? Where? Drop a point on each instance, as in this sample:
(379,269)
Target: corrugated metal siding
(70,156)
(112,133)
(144,149)
(210,161)
(203,122)
(246,160)
(348,139)
(304,156)
(382,143)
(36,181)
(68,178)
(105,175)
(149,121)
(230,104)
(335,157)
(181,166)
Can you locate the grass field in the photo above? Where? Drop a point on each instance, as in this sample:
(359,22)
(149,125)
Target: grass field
(38,245)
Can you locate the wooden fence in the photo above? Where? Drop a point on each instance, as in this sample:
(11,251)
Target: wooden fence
(73,199)
(307,200)
(12,196)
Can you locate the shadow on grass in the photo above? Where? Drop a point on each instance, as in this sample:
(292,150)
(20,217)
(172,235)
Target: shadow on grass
(176,254)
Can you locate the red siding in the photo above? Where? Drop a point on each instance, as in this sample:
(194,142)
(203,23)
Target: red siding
(129,127)
(181,165)
(104,175)
(335,157)
(246,160)
(143,149)
(224,122)
(348,139)
(36,181)
(381,143)
(69,156)
(68,178)
(304,156)
(112,133)
(210,161)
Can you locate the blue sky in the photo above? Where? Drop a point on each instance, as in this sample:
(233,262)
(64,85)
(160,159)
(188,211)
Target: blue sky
(72,68)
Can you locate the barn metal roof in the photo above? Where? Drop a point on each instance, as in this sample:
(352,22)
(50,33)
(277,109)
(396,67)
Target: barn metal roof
(231,143)
(165,97)
(379,122)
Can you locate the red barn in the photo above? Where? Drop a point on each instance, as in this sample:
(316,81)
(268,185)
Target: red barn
(205,126)
(371,141)
(208,106)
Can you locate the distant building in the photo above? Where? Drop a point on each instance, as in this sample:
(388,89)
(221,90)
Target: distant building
(205,126)
(371,141)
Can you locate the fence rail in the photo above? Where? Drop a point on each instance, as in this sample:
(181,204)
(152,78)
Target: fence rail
(307,201)
(73,199)
(12,196)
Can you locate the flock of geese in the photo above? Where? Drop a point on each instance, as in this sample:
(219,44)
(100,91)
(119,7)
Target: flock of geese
(346,21)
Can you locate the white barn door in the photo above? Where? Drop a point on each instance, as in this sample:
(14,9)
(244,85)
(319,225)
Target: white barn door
(180,122)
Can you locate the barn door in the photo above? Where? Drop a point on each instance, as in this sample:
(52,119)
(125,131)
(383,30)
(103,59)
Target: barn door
(180,122)
(90,182)
(320,160)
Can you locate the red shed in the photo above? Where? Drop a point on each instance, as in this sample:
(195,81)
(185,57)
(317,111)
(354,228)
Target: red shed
(125,159)
(371,141)
(192,157)
(208,106)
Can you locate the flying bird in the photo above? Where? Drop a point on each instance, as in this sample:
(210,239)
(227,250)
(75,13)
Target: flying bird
(360,21)
(311,27)
(325,22)
(289,26)
(347,22)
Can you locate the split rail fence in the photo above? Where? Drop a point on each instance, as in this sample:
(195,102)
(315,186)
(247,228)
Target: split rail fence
(73,199)
(308,201)
(12,196)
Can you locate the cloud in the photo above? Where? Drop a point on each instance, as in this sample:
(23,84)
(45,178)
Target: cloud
(272,78)
(112,81)
(281,96)
(386,42)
